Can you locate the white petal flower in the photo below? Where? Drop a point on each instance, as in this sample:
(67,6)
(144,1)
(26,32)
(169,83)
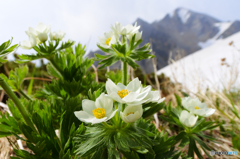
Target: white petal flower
(42,31)
(132,29)
(31,32)
(42,37)
(195,106)
(154,97)
(131,113)
(187,118)
(108,39)
(132,94)
(96,112)
(30,43)
(118,29)
(59,35)
(137,37)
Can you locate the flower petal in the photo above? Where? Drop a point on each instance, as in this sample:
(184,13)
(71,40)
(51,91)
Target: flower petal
(88,106)
(161,100)
(110,115)
(95,120)
(155,95)
(83,116)
(131,113)
(209,112)
(121,86)
(134,86)
(116,97)
(187,119)
(104,102)
(132,96)
(111,87)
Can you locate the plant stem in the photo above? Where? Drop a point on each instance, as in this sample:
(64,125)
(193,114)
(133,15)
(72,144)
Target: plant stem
(124,78)
(106,125)
(124,73)
(24,94)
(123,39)
(55,65)
(17,102)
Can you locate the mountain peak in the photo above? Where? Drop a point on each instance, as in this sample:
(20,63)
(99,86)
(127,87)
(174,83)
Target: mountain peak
(182,13)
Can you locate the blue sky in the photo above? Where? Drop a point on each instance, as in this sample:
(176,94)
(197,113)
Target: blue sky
(85,20)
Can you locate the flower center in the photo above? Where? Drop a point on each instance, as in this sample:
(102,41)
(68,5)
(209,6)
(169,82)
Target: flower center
(123,93)
(99,113)
(196,107)
(107,41)
(53,37)
(130,113)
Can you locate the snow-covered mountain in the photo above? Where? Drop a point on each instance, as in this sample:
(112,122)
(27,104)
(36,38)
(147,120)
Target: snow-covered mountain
(222,27)
(214,67)
(184,31)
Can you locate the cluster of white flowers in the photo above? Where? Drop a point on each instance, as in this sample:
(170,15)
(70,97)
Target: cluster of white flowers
(133,95)
(39,35)
(195,108)
(114,35)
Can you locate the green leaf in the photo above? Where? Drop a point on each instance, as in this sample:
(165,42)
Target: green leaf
(131,63)
(5,49)
(179,101)
(16,77)
(106,49)
(156,108)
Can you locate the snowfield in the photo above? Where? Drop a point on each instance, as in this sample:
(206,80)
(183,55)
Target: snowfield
(222,27)
(215,67)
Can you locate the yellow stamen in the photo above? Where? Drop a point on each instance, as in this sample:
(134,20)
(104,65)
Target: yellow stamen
(123,93)
(53,37)
(107,41)
(130,113)
(196,107)
(99,113)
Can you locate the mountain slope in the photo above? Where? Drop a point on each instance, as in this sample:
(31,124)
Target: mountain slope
(215,67)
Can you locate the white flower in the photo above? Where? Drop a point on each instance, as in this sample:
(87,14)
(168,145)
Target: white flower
(154,97)
(32,32)
(108,39)
(118,29)
(132,29)
(132,94)
(138,36)
(96,112)
(30,43)
(59,35)
(42,31)
(196,107)
(187,118)
(131,113)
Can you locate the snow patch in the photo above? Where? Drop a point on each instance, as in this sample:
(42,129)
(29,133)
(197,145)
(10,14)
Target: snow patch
(222,27)
(184,15)
(216,67)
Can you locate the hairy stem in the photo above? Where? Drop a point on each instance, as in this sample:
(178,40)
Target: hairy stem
(17,102)
(124,78)
(124,73)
